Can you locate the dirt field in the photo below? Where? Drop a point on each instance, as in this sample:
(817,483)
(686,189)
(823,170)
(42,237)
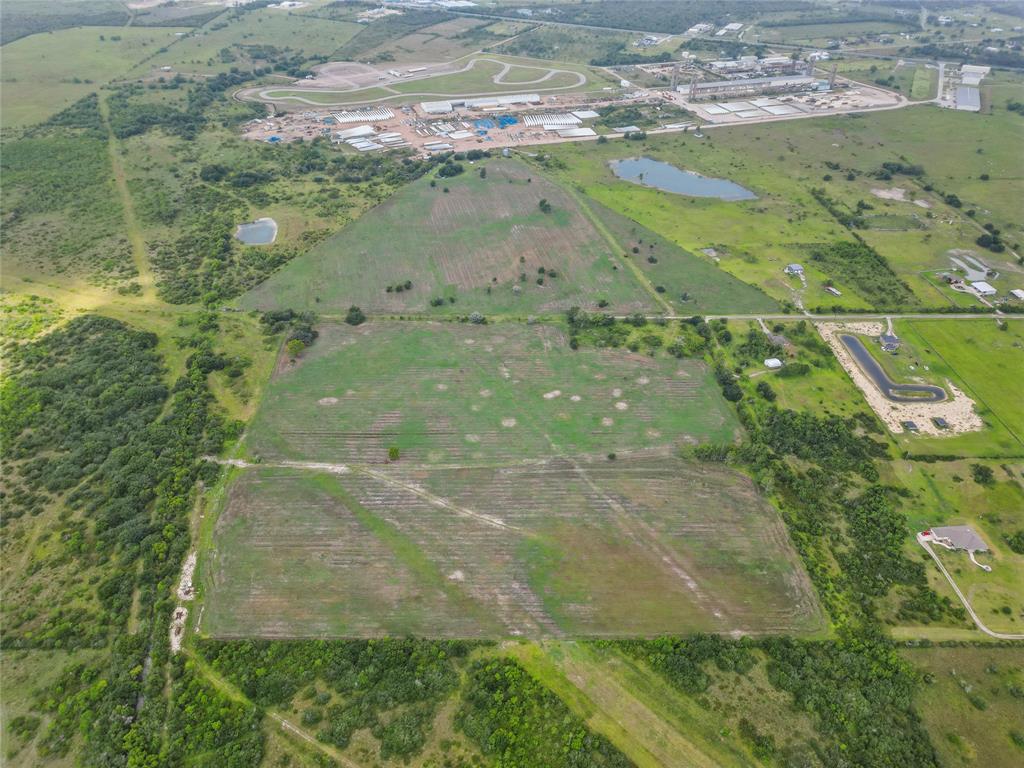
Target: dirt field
(448,393)
(550,550)
(481,242)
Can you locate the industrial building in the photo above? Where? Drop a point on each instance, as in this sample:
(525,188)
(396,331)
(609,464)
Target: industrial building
(488,102)
(754,85)
(983,289)
(371,115)
(968,99)
(770,65)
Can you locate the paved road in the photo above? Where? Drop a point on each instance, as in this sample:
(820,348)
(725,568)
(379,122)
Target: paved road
(997,635)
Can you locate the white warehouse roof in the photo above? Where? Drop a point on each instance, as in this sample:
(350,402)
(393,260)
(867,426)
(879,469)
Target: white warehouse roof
(436,107)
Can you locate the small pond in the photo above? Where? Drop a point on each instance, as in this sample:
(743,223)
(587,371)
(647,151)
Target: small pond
(668,178)
(260,232)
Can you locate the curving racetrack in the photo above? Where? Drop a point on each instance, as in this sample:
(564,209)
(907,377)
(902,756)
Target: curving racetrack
(499,78)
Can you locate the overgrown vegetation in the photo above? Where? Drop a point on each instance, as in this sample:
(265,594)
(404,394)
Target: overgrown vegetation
(517,721)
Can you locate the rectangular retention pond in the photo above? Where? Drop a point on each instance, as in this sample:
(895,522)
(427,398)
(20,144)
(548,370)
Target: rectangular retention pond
(668,178)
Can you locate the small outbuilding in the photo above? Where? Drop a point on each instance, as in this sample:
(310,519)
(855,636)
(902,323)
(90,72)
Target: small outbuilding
(794,269)
(889,341)
(1017,293)
(773,363)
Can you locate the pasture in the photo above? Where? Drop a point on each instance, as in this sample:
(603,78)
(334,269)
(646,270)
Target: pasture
(842,156)
(475,244)
(969,702)
(233,40)
(44,73)
(984,361)
(556,549)
(446,393)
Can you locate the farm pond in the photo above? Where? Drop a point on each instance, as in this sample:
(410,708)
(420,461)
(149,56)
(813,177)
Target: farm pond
(668,178)
(260,232)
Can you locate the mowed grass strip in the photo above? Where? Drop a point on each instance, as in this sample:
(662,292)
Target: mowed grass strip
(446,393)
(480,241)
(454,553)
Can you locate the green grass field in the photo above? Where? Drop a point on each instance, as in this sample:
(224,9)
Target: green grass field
(43,74)
(987,363)
(473,243)
(228,40)
(485,75)
(970,703)
(781,163)
(945,493)
(457,393)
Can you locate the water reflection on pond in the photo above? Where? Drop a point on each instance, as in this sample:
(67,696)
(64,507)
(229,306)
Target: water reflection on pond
(668,178)
(259,232)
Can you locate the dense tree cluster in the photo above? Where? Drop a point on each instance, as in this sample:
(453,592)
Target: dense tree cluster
(516,721)
(392,687)
(858,264)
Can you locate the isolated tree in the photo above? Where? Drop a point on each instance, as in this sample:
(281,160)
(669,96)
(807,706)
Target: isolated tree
(544,205)
(355,316)
(982,475)
(295,347)
(483,173)
(394,453)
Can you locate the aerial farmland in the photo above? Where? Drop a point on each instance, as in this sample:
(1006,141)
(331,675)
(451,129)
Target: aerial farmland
(439,384)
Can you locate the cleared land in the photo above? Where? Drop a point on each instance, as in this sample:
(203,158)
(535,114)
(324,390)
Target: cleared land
(448,392)
(43,74)
(482,243)
(548,550)
(503,515)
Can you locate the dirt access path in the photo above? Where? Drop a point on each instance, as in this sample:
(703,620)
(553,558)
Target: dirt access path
(233,693)
(131,223)
(636,710)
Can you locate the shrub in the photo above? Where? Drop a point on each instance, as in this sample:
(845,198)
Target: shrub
(355,316)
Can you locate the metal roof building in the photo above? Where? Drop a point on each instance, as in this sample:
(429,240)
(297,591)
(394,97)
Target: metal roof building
(712,89)
(968,99)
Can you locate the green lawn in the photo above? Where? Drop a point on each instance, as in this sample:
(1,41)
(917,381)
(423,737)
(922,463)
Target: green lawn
(43,74)
(988,364)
